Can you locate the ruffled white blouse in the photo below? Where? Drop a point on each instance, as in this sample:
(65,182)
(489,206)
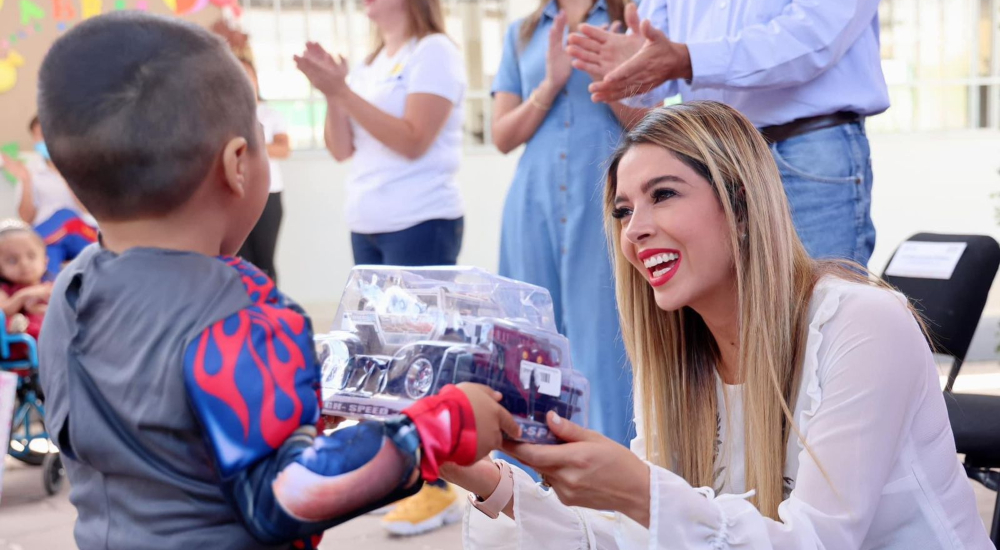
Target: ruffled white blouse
(871,408)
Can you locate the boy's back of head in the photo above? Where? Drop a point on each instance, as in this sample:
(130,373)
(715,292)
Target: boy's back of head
(136,109)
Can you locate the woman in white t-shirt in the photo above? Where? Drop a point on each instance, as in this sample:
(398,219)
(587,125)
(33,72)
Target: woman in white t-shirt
(780,402)
(263,239)
(399,116)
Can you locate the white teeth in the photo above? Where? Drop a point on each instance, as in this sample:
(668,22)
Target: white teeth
(661,272)
(659,259)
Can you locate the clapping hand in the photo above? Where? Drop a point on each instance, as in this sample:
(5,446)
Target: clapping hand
(657,61)
(326,73)
(600,50)
(558,65)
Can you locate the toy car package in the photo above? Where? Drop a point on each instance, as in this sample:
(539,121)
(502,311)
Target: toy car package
(403,334)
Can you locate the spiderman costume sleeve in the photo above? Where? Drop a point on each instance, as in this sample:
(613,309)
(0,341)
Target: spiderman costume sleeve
(252,380)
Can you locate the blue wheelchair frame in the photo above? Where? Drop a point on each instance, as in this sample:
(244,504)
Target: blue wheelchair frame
(26,391)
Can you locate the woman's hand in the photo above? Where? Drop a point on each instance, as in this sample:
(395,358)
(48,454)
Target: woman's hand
(558,64)
(657,61)
(599,50)
(326,73)
(589,470)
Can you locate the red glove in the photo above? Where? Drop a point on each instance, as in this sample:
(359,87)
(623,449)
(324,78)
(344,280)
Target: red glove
(447,428)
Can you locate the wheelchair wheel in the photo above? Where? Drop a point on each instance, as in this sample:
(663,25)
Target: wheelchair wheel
(29,441)
(53,473)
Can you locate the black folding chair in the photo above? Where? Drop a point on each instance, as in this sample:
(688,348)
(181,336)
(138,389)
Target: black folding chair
(952,309)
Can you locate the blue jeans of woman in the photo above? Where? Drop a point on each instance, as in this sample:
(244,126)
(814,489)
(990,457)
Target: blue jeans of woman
(434,242)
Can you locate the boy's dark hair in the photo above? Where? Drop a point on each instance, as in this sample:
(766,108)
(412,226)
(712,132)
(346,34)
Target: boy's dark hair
(34,122)
(136,108)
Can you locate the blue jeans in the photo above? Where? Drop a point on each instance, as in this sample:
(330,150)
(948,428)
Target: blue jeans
(828,181)
(434,242)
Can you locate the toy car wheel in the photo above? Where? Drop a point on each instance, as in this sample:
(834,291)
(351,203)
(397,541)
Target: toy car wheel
(53,473)
(419,378)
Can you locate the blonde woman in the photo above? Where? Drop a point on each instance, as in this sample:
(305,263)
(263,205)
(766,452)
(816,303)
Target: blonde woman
(780,402)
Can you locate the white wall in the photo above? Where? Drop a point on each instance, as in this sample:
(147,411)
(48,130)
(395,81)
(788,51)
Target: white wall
(940,182)
(314,254)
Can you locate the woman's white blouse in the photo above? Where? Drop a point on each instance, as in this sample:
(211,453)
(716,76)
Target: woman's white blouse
(870,407)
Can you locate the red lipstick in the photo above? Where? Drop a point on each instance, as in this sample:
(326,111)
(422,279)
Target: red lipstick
(661,264)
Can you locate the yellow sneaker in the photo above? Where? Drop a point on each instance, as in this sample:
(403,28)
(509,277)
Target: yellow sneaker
(431,508)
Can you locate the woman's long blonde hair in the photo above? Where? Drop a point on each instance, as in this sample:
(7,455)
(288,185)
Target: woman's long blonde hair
(426,18)
(673,354)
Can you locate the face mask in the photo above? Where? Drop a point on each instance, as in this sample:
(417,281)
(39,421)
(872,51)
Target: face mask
(42,150)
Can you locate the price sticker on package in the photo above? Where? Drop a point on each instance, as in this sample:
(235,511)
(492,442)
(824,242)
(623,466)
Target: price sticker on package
(549,380)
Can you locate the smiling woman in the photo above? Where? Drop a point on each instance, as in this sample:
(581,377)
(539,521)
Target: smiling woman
(780,402)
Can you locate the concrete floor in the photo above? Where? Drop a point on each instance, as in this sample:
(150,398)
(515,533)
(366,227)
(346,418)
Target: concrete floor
(31,520)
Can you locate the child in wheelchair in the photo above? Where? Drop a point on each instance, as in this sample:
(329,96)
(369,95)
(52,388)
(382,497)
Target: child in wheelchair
(25,289)
(24,279)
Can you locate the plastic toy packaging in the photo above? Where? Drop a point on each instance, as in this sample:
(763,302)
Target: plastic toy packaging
(403,334)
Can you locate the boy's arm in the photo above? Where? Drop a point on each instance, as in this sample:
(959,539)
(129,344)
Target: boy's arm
(252,380)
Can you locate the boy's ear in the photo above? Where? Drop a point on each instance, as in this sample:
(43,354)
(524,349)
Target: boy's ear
(234,164)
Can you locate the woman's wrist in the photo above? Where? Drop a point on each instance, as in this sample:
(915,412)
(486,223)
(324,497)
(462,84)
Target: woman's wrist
(637,505)
(546,93)
(337,95)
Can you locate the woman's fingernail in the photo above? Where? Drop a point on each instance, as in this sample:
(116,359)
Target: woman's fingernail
(555,417)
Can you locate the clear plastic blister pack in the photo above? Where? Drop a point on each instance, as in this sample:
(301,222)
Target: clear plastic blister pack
(403,334)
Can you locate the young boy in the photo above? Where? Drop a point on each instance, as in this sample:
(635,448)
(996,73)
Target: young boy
(181,385)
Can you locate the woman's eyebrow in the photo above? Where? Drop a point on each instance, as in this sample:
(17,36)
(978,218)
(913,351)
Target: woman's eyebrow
(661,179)
(650,183)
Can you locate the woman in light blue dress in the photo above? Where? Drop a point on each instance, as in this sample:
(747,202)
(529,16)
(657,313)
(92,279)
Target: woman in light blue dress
(552,232)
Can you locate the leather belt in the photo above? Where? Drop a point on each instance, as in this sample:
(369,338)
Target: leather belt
(797,127)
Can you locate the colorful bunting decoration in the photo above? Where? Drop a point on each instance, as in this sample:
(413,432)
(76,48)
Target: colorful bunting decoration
(30,11)
(8,70)
(62,10)
(64,14)
(90,8)
(14,152)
